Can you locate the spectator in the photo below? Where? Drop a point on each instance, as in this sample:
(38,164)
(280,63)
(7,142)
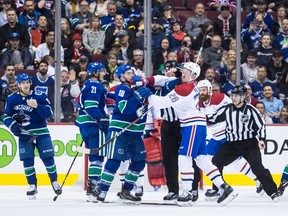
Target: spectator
(185,54)
(261,6)
(260,106)
(211,75)
(251,36)
(127,46)
(51,65)
(249,68)
(213,54)
(159,57)
(80,69)
(193,23)
(198,58)
(281,14)
(262,80)
(80,20)
(249,98)
(47,7)
(231,82)
(69,90)
(227,65)
(29,17)
(138,62)
(283,116)
(16,54)
(216,5)
(111,66)
(130,12)
(276,67)
(283,88)
(94,37)
(216,87)
(274,5)
(71,8)
(66,35)
(76,51)
(13,26)
(167,19)
(9,73)
(176,36)
(108,20)
(39,34)
(225,26)
(273,105)
(47,47)
(99,7)
(6,4)
(281,41)
(265,51)
(202,40)
(12,86)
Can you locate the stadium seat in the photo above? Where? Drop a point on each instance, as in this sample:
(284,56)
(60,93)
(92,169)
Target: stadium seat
(178,4)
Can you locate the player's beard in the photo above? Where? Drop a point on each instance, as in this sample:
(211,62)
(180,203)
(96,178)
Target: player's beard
(203,97)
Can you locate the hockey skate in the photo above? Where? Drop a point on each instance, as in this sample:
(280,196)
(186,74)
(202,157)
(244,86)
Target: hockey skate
(282,186)
(32,191)
(171,197)
(102,196)
(276,196)
(125,197)
(194,195)
(89,190)
(139,191)
(227,195)
(212,195)
(95,193)
(185,199)
(56,187)
(259,188)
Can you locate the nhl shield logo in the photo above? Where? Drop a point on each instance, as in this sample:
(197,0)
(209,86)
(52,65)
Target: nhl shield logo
(244,119)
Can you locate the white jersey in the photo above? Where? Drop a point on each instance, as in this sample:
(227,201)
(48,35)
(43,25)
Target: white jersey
(184,99)
(216,101)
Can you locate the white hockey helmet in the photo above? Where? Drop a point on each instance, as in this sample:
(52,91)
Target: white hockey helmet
(193,67)
(205,83)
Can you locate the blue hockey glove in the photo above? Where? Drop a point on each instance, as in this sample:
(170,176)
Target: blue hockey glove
(137,81)
(142,93)
(171,84)
(103,123)
(15,128)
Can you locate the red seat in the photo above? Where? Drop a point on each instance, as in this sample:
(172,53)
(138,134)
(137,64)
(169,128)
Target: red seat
(178,4)
(98,58)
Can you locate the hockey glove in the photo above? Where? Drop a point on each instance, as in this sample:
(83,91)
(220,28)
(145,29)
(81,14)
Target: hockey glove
(171,84)
(15,128)
(142,93)
(137,81)
(103,124)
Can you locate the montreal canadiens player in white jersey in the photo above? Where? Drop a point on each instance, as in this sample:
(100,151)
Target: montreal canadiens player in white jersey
(184,99)
(210,102)
(25,115)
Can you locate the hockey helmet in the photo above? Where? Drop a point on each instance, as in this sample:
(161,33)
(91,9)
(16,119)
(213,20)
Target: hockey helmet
(95,67)
(205,83)
(239,89)
(22,77)
(121,70)
(193,67)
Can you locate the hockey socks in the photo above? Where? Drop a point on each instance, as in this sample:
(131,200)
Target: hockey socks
(94,170)
(108,174)
(133,173)
(50,168)
(30,171)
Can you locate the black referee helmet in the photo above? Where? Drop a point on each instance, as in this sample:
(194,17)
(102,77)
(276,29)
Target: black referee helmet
(239,89)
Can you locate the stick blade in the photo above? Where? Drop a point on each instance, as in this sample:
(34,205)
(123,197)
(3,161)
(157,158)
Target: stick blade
(83,150)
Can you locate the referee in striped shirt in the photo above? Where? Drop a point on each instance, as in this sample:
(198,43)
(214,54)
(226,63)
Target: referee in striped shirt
(245,132)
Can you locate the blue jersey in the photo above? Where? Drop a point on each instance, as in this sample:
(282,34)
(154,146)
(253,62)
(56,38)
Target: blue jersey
(125,112)
(33,119)
(92,103)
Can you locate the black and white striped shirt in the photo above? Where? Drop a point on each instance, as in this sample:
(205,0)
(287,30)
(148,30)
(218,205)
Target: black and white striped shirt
(168,114)
(241,123)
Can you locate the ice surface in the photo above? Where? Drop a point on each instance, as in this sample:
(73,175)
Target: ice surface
(13,202)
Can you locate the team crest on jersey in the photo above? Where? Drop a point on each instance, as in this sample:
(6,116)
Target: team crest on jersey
(244,119)
(120,151)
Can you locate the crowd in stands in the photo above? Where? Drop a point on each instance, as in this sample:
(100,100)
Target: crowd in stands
(111,32)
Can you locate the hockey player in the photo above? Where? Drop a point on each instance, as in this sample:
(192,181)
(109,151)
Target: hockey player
(245,133)
(25,114)
(184,100)
(129,106)
(93,122)
(209,103)
(284,180)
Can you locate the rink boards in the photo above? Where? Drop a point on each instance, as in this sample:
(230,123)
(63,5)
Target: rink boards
(67,137)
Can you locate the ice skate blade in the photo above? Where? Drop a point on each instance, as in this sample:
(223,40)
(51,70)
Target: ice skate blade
(185,204)
(31,197)
(88,198)
(210,199)
(261,193)
(128,202)
(231,196)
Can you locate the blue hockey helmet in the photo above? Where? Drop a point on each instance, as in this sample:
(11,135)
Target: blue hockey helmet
(121,70)
(22,77)
(95,67)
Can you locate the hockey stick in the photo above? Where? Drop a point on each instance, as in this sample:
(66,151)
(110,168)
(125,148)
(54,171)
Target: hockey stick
(202,45)
(55,198)
(94,151)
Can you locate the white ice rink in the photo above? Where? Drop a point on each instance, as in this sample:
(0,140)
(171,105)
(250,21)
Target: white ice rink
(13,202)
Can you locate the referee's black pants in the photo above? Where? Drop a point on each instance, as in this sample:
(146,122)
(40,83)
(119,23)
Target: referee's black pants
(249,150)
(170,142)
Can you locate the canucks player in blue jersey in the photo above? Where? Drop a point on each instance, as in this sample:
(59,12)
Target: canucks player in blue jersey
(25,115)
(284,180)
(93,122)
(129,106)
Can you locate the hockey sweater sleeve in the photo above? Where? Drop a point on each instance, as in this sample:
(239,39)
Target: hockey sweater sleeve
(43,109)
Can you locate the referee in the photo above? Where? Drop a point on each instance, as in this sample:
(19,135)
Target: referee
(245,132)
